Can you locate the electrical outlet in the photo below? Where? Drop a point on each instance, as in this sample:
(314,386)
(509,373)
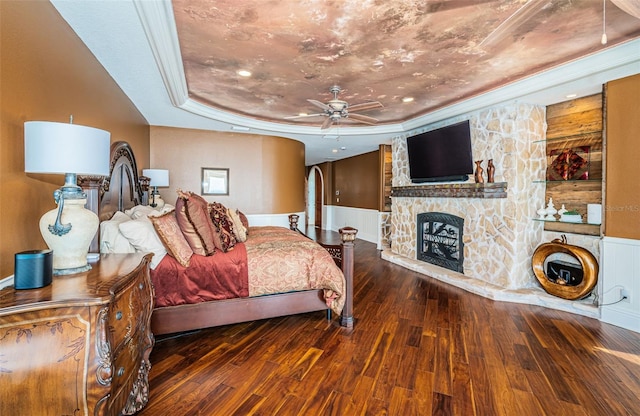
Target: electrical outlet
(625,295)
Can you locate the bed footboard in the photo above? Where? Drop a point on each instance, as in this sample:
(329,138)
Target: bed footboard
(343,255)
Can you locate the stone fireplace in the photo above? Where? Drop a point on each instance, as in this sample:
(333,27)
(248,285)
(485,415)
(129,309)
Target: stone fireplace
(499,231)
(440,242)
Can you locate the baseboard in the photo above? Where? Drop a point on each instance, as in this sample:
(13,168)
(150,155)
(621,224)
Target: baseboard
(623,319)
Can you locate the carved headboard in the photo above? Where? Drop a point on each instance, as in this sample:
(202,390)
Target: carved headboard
(121,190)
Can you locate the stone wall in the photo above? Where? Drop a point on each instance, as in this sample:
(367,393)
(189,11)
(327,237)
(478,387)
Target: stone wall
(499,234)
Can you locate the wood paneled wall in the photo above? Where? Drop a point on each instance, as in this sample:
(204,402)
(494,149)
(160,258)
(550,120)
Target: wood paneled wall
(575,125)
(622,187)
(48,74)
(386,173)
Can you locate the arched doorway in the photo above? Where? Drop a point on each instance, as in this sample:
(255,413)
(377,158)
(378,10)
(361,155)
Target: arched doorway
(315,197)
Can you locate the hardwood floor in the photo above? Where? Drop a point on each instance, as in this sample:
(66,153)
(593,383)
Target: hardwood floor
(419,347)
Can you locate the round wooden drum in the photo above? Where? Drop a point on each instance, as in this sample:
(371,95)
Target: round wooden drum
(558,287)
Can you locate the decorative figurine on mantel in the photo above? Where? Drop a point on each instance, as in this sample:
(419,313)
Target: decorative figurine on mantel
(478,173)
(551,211)
(491,170)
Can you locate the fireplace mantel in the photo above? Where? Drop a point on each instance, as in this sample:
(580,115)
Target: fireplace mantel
(452,190)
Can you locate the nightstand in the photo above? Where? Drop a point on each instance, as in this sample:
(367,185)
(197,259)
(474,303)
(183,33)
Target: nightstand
(80,345)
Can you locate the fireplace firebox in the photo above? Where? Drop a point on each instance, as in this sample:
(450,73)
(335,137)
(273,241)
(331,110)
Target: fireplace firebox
(440,240)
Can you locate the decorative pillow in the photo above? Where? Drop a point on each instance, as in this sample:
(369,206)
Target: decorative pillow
(223,224)
(111,240)
(169,231)
(238,228)
(244,219)
(194,222)
(143,237)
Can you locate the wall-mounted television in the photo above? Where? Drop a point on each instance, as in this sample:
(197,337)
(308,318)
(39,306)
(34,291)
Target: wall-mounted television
(441,155)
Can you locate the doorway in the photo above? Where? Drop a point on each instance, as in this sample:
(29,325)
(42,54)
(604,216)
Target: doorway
(315,197)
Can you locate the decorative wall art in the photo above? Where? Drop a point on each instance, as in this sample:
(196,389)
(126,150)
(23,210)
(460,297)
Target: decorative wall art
(568,164)
(215,181)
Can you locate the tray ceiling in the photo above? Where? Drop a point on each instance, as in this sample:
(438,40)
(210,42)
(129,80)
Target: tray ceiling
(179,61)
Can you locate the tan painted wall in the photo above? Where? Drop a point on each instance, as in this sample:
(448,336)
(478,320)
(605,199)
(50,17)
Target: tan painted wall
(327,174)
(266,173)
(622,188)
(48,74)
(358,180)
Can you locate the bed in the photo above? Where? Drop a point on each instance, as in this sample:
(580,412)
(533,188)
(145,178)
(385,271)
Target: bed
(124,191)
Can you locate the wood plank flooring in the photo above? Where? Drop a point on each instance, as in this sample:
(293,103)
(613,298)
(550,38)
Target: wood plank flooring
(419,347)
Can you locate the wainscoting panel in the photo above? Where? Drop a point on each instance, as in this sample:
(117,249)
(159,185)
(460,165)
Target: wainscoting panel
(365,220)
(621,271)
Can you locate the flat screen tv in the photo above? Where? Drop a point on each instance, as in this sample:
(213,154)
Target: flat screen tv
(441,155)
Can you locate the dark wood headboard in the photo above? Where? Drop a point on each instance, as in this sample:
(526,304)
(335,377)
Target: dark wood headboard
(121,190)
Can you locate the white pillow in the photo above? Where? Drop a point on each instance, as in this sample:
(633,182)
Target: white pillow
(111,240)
(143,237)
(140,211)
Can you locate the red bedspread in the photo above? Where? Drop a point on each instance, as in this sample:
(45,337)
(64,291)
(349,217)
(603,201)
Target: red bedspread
(221,276)
(272,260)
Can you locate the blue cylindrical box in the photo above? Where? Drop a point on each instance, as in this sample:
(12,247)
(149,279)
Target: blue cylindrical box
(33,269)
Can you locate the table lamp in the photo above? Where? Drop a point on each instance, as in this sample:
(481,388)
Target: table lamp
(157,177)
(72,150)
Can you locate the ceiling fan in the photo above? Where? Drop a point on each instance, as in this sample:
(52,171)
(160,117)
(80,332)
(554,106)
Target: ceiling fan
(336,109)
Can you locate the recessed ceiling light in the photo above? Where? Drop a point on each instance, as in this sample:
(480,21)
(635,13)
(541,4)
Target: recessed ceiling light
(334,150)
(244,73)
(303,114)
(343,148)
(571,95)
(407,99)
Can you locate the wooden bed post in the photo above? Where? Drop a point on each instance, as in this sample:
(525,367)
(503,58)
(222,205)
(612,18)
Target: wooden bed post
(348,235)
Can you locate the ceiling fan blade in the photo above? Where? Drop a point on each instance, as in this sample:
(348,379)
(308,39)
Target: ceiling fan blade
(320,105)
(326,124)
(363,119)
(524,13)
(629,6)
(365,106)
(304,116)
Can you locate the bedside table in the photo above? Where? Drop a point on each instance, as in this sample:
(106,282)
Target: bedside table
(80,345)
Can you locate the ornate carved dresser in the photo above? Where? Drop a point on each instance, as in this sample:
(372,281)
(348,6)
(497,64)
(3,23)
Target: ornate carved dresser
(80,345)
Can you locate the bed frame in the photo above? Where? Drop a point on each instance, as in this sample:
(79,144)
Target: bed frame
(124,189)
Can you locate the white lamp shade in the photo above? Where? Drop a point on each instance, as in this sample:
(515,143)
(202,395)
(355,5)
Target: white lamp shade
(157,177)
(65,148)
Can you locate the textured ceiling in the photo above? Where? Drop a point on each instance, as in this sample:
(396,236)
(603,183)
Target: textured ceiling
(437,52)
(178,61)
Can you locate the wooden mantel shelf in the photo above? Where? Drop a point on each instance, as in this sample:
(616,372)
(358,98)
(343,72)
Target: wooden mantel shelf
(452,190)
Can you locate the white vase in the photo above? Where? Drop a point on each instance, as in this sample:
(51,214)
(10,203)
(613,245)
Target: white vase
(70,249)
(562,210)
(551,211)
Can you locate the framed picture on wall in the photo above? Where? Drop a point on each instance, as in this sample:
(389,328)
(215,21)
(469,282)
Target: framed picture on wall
(215,181)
